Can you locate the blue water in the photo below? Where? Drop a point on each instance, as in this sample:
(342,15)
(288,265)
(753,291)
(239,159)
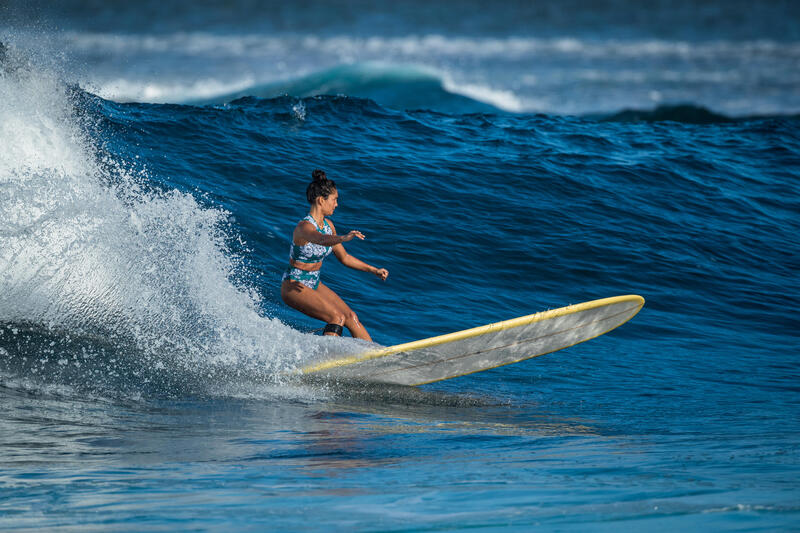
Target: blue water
(152,171)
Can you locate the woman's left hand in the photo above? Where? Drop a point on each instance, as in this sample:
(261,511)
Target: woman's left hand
(382,273)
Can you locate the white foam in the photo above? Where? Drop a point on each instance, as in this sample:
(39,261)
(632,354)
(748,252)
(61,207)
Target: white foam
(88,248)
(127,90)
(241,44)
(432,45)
(502,99)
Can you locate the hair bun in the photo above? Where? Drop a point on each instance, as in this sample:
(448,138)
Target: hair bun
(320,186)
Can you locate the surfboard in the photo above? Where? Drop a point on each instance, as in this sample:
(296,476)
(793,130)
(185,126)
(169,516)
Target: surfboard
(484,347)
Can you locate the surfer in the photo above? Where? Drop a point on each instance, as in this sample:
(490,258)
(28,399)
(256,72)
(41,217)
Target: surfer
(314,238)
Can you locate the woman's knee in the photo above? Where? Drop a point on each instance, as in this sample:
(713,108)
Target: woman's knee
(351,317)
(337,317)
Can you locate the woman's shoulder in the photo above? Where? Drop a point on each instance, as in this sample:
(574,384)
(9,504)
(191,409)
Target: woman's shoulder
(303,227)
(306,220)
(302,224)
(330,223)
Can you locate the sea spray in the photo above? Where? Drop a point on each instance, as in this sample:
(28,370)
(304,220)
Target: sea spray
(100,270)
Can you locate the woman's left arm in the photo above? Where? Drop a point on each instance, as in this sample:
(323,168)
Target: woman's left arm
(356,263)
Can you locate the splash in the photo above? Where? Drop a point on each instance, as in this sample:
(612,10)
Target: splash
(105,279)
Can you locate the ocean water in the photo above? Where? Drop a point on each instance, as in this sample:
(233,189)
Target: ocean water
(153,163)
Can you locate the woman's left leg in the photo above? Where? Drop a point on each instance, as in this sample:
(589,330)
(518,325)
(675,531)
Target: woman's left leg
(351,321)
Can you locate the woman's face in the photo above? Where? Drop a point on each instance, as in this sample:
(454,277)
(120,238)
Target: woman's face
(330,203)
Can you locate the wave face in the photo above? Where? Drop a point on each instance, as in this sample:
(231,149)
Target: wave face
(149,239)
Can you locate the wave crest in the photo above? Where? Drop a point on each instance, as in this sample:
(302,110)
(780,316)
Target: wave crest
(395,86)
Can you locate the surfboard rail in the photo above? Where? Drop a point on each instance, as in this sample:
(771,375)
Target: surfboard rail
(636,301)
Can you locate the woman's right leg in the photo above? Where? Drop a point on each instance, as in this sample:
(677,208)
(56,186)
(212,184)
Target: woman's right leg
(310,302)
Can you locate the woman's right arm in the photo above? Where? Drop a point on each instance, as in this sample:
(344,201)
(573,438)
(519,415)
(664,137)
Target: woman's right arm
(306,232)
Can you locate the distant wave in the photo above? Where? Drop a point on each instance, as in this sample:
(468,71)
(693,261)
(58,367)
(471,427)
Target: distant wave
(682,113)
(686,113)
(569,74)
(415,87)
(395,86)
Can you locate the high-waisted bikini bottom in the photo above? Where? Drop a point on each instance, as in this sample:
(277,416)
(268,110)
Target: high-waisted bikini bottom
(309,279)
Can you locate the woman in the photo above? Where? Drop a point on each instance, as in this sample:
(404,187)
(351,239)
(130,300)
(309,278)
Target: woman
(313,240)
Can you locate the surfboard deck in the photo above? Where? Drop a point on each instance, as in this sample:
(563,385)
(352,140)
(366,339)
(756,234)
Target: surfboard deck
(484,347)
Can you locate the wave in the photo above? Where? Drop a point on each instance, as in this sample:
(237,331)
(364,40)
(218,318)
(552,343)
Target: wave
(395,86)
(112,275)
(566,74)
(685,113)
(106,277)
(412,87)
(681,113)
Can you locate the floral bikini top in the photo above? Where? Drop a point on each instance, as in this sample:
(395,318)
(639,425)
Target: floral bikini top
(310,252)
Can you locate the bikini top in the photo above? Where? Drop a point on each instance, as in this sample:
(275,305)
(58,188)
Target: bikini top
(310,252)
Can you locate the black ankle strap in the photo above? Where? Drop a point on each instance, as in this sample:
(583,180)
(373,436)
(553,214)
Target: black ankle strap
(336,329)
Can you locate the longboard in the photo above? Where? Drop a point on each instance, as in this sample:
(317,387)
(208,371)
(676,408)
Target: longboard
(484,347)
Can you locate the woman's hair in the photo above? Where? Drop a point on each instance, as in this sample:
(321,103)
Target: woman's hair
(320,186)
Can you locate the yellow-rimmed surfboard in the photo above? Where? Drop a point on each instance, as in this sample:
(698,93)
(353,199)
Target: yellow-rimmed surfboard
(472,350)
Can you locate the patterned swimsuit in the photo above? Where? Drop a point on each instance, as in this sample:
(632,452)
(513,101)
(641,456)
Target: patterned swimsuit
(308,253)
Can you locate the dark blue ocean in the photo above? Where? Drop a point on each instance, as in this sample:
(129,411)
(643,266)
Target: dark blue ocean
(501,161)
